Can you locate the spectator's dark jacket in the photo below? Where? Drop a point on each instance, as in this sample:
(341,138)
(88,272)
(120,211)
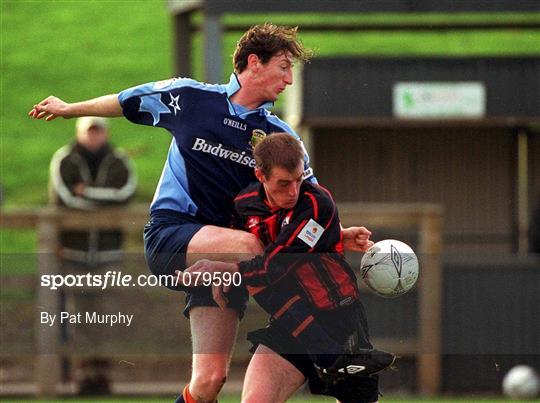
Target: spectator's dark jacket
(109,180)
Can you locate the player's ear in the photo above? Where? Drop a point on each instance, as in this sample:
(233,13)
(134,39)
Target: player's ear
(259,175)
(253,62)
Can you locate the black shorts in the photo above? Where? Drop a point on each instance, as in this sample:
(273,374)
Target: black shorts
(166,238)
(339,324)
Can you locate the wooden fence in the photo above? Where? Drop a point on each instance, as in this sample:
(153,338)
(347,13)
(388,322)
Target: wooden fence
(425,218)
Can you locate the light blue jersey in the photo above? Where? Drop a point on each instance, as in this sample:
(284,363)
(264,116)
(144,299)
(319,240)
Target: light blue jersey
(210,158)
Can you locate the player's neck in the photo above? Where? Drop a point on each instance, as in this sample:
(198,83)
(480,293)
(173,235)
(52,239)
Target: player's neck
(244,98)
(247,95)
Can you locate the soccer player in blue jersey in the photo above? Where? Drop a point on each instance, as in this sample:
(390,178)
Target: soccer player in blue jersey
(209,161)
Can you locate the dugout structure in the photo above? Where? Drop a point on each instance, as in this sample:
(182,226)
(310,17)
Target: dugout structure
(213,26)
(459,132)
(501,125)
(481,163)
(462,132)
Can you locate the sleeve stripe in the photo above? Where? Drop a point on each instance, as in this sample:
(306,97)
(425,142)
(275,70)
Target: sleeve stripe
(295,233)
(270,256)
(245,196)
(286,306)
(252,290)
(303,325)
(315,206)
(326,191)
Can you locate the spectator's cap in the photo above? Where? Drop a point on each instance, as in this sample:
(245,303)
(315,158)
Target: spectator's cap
(86,122)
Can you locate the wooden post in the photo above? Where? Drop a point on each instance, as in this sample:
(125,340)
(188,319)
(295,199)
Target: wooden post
(182,44)
(47,371)
(430,305)
(213,45)
(522,192)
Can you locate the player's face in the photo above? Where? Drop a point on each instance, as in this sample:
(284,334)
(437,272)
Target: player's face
(282,187)
(274,76)
(94,138)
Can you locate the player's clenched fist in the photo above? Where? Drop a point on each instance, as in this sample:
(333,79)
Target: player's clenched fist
(356,239)
(50,108)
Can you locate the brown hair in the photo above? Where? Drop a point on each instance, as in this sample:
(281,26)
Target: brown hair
(267,40)
(278,149)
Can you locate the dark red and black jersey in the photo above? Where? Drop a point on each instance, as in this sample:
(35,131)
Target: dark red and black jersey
(304,242)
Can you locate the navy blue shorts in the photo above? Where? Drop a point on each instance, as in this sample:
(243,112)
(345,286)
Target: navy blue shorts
(166,238)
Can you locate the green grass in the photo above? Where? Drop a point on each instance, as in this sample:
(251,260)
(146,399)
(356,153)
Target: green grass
(82,49)
(76,50)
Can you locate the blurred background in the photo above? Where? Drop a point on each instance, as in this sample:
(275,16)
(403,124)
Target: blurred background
(423,119)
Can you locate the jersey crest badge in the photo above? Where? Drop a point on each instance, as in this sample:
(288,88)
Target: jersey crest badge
(252,222)
(256,136)
(285,221)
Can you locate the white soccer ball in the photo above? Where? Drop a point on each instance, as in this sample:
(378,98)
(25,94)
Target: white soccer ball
(389,268)
(521,382)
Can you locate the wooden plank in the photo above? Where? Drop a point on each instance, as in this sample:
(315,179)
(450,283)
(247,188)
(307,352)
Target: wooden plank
(18,219)
(131,218)
(47,337)
(430,305)
(387,215)
(424,216)
(332,122)
(128,219)
(400,347)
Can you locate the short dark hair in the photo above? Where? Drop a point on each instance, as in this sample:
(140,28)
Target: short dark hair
(278,150)
(267,40)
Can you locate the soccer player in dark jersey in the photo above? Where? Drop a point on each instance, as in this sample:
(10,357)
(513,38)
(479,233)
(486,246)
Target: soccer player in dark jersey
(209,161)
(317,321)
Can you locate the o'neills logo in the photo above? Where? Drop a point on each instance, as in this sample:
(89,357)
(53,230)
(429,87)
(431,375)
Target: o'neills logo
(219,150)
(235,124)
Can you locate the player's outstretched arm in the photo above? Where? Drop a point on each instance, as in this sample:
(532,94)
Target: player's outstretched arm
(52,107)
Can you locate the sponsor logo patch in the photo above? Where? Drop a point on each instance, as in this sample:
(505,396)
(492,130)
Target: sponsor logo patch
(256,136)
(221,151)
(311,233)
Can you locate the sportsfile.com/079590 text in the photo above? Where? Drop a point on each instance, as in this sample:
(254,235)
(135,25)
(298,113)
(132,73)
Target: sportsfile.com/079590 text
(117,279)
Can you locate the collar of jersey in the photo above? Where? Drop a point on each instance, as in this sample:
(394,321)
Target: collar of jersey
(232,87)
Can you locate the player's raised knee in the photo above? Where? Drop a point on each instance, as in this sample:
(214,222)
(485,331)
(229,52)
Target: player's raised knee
(249,243)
